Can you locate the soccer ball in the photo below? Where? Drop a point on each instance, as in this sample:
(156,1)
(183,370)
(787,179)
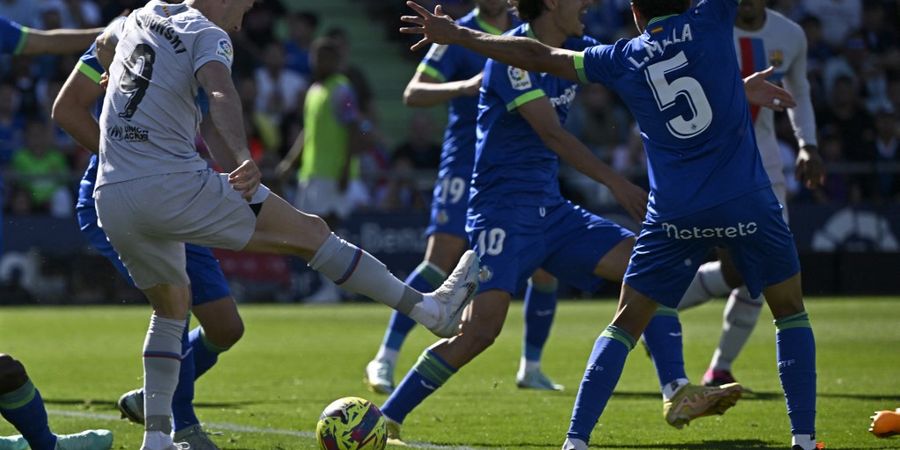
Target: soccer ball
(351,423)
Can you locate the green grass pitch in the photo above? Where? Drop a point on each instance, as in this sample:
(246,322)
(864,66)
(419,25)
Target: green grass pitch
(267,392)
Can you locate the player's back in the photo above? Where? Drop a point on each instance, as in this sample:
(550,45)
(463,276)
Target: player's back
(150,117)
(681,81)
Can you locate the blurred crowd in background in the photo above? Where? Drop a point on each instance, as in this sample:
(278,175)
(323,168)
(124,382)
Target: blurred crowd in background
(853,62)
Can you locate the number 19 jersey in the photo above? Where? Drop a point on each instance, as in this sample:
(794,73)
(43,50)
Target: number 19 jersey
(150,118)
(681,81)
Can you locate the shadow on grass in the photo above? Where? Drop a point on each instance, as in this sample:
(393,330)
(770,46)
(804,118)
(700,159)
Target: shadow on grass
(111,404)
(764,395)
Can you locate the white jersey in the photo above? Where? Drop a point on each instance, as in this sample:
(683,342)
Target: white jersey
(150,116)
(782,44)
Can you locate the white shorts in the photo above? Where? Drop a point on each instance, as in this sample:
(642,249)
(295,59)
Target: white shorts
(321,196)
(148,220)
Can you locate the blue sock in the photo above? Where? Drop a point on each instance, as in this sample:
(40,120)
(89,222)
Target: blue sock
(429,373)
(206,354)
(540,307)
(796,354)
(24,408)
(425,278)
(663,338)
(183,399)
(603,371)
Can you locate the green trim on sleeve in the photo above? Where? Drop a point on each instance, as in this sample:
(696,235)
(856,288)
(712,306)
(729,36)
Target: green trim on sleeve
(431,72)
(661,18)
(579,67)
(88,71)
(525,98)
(22,40)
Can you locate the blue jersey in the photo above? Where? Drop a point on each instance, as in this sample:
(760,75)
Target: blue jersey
(681,81)
(512,163)
(12,37)
(455,63)
(90,67)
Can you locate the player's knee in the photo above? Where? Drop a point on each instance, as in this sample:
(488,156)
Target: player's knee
(316,228)
(481,338)
(12,374)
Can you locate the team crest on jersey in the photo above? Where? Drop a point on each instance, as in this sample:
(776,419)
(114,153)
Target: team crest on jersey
(442,217)
(225,50)
(776,58)
(485,274)
(436,52)
(519,79)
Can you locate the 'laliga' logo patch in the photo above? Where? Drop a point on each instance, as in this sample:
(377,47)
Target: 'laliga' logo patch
(225,50)
(776,58)
(519,79)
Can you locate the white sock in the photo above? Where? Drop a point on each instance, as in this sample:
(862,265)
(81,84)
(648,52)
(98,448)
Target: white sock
(426,312)
(162,361)
(738,320)
(672,388)
(708,283)
(386,354)
(526,365)
(156,440)
(806,441)
(574,444)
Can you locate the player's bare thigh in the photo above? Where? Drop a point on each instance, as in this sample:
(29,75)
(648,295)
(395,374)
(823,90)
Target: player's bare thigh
(281,228)
(444,250)
(613,264)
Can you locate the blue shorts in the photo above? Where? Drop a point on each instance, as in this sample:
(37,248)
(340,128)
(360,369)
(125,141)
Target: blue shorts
(448,206)
(668,253)
(564,239)
(207,280)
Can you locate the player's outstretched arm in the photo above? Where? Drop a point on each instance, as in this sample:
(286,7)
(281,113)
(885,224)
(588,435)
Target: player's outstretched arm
(228,119)
(73,107)
(543,119)
(762,93)
(424,90)
(62,41)
(525,53)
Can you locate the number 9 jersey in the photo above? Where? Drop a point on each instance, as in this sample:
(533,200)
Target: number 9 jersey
(681,80)
(150,117)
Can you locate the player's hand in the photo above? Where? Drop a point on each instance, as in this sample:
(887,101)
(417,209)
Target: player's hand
(245,179)
(762,93)
(438,27)
(472,85)
(810,168)
(104,80)
(631,197)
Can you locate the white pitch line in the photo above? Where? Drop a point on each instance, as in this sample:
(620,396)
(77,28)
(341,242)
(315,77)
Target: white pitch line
(242,429)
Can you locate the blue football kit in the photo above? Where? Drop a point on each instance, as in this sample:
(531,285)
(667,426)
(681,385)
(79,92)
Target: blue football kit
(681,81)
(517,219)
(208,283)
(447,63)
(707,182)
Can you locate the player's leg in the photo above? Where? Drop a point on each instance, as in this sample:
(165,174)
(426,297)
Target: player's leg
(767,259)
(441,255)
(282,229)
(481,324)
(738,321)
(21,404)
(540,308)
(710,282)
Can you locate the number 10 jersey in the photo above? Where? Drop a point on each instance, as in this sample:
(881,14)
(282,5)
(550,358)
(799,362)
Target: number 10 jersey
(681,81)
(150,116)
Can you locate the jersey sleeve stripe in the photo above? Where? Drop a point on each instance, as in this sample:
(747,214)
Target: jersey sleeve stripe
(579,67)
(22,40)
(88,71)
(431,72)
(525,98)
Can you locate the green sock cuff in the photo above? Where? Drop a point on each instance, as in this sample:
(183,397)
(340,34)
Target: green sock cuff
(799,320)
(546,288)
(19,397)
(666,311)
(209,345)
(614,332)
(433,368)
(431,273)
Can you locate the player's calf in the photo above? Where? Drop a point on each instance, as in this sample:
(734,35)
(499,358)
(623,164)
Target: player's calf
(12,374)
